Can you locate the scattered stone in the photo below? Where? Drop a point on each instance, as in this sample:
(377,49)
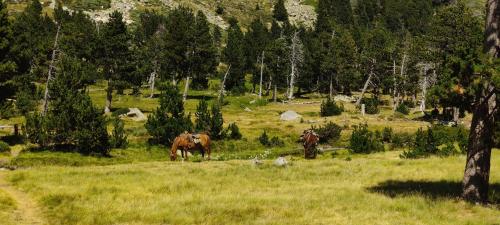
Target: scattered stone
(289,116)
(136,114)
(257,162)
(344,98)
(252,102)
(280,161)
(300,14)
(247,109)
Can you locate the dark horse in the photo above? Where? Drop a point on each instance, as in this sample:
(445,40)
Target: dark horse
(310,140)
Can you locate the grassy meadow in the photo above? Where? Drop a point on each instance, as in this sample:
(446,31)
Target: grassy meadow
(140,185)
(363,189)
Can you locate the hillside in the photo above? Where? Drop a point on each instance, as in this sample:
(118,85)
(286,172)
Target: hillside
(301,11)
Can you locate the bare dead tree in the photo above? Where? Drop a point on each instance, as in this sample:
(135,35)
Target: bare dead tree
(426,81)
(368,82)
(50,72)
(261,73)
(296,57)
(223,84)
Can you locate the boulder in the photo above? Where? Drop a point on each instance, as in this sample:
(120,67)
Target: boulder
(136,114)
(289,116)
(280,161)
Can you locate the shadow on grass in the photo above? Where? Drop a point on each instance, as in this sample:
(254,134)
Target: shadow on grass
(434,190)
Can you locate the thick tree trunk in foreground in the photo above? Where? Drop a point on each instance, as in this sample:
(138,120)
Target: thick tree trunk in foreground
(477,167)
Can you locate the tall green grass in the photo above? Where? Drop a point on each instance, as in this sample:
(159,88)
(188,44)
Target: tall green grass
(369,189)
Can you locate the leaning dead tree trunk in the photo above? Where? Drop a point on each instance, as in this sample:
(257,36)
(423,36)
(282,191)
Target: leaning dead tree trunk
(296,58)
(186,88)
(261,74)
(368,81)
(50,75)
(223,84)
(477,167)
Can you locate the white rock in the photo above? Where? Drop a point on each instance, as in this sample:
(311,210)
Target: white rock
(289,116)
(136,114)
(248,109)
(281,161)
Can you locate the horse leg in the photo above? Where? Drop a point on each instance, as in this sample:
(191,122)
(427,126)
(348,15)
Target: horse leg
(208,152)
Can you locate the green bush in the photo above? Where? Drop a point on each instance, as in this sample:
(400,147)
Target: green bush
(330,108)
(25,102)
(273,142)
(276,141)
(438,140)
(402,140)
(264,139)
(387,135)
(234,132)
(423,146)
(330,132)
(403,109)
(219,10)
(4,147)
(168,121)
(118,138)
(203,120)
(364,141)
(371,105)
(216,123)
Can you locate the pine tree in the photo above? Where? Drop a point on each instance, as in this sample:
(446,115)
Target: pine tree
(257,39)
(203,120)
(7,67)
(203,62)
(332,12)
(280,13)
(178,40)
(217,122)
(71,120)
(115,54)
(168,120)
(233,56)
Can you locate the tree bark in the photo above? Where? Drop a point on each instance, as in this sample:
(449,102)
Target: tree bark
(186,89)
(395,100)
(365,86)
(49,76)
(261,74)
(223,84)
(477,167)
(275,93)
(109,97)
(331,87)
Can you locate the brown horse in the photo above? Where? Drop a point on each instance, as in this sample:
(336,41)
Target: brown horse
(189,142)
(310,140)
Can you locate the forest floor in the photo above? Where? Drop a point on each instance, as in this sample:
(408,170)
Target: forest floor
(140,185)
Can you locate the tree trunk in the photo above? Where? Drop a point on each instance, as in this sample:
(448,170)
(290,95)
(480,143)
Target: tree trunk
(261,73)
(477,167)
(49,76)
(275,93)
(331,87)
(365,87)
(292,80)
(403,75)
(223,84)
(186,88)
(109,97)
(395,100)
(152,84)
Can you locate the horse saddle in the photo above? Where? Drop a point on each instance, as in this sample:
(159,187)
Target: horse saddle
(196,138)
